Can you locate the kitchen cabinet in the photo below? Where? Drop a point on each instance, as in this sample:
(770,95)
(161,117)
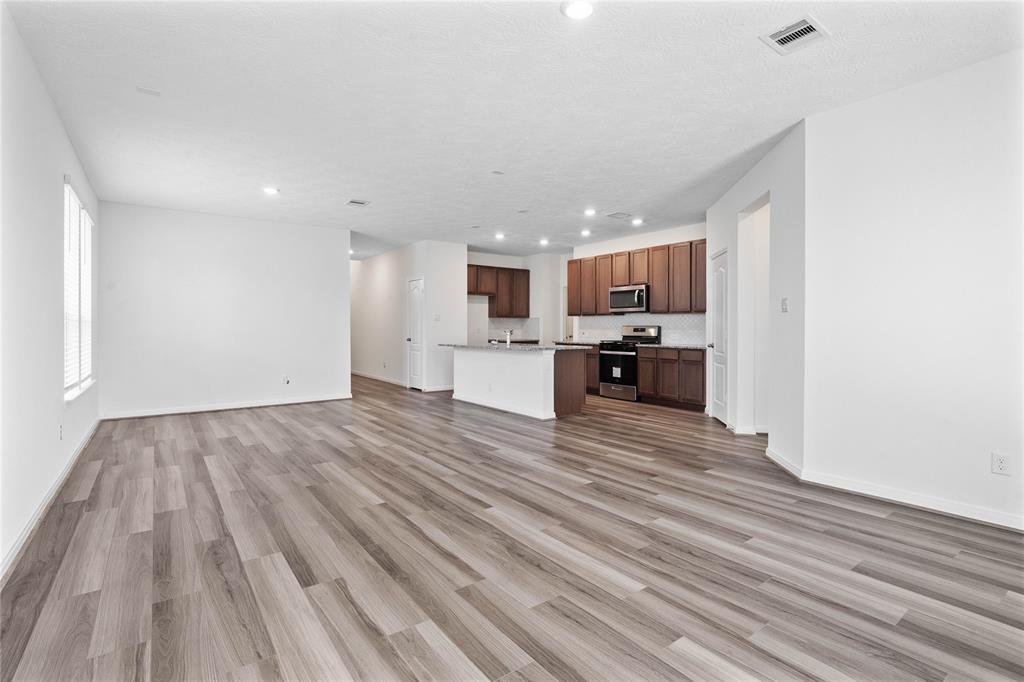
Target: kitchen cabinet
(486,280)
(691,376)
(620,269)
(503,300)
(647,372)
(699,277)
(604,282)
(471,279)
(593,370)
(588,287)
(668,374)
(638,266)
(573,288)
(520,293)
(658,279)
(679,276)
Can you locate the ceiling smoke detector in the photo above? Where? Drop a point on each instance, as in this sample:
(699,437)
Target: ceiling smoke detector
(358,202)
(619,216)
(796,36)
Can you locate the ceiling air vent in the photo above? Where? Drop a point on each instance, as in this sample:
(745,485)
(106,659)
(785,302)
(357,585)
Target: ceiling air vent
(796,36)
(357,202)
(619,216)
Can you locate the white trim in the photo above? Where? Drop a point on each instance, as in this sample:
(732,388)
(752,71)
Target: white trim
(908,497)
(536,414)
(19,543)
(159,411)
(437,389)
(376,377)
(790,468)
(744,430)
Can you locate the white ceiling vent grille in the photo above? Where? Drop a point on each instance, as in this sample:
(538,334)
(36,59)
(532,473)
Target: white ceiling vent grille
(357,202)
(796,36)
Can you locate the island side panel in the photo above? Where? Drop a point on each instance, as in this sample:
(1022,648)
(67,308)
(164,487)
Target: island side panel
(519,382)
(570,382)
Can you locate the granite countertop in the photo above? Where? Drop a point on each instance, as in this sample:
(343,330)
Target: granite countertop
(521,348)
(515,340)
(577,343)
(683,346)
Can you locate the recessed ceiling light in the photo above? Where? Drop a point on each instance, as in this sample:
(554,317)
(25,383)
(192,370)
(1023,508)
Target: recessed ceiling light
(577,9)
(585,233)
(271,190)
(350,252)
(543,242)
(589,212)
(499,235)
(638,221)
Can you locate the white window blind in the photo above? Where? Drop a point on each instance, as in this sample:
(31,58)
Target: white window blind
(77,294)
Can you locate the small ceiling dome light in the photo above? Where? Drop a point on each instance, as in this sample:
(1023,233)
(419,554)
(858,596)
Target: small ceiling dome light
(499,235)
(350,252)
(585,233)
(578,9)
(638,221)
(589,212)
(271,190)
(543,242)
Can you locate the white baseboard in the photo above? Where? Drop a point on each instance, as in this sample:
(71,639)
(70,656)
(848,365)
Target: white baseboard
(37,516)
(216,407)
(789,466)
(376,377)
(536,414)
(928,502)
(437,389)
(744,430)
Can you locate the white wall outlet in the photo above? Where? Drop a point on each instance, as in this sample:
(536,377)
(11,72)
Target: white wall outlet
(437,317)
(60,432)
(285,380)
(1000,464)
(385,365)
(785,304)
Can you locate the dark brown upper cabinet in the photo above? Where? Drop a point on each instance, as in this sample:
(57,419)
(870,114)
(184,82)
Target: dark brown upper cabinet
(588,287)
(573,287)
(620,269)
(520,293)
(699,277)
(604,283)
(638,266)
(679,274)
(472,277)
(486,280)
(503,303)
(658,281)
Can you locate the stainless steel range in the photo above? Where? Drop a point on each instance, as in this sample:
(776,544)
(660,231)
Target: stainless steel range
(618,361)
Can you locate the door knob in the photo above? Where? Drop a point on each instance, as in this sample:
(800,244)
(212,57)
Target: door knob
(711,345)
(408,338)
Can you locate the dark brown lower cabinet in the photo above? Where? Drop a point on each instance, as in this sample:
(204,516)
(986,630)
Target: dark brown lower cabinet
(647,374)
(593,370)
(691,376)
(668,373)
(570,382)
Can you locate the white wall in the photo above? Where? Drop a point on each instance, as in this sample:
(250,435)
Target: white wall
(379,324)
(753,353)
(914,293)
(200,311)
(36,155)
(780,174)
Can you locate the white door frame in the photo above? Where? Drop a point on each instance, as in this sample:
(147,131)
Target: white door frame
(410,343)
(719,360)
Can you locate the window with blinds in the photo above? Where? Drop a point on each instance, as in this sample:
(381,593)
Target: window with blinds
(77,295)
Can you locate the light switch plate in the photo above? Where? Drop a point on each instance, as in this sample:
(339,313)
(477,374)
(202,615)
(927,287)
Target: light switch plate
(785,304)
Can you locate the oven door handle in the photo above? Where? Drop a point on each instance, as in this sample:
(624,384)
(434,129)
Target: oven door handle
(617,352)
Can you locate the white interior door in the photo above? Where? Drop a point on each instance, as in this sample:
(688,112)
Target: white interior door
(414,317)
(719,336)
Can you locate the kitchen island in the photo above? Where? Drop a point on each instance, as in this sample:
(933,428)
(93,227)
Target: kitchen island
(543,382)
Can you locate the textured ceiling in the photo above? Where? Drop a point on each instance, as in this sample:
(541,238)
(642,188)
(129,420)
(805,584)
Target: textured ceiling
(652,109)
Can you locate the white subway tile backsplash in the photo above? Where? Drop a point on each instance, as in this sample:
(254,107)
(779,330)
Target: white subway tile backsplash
(681,329)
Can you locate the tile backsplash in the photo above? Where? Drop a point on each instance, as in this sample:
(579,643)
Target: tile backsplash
(523,328)
(681,329)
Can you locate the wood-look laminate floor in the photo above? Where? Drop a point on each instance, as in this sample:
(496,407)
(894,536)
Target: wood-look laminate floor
(402,536)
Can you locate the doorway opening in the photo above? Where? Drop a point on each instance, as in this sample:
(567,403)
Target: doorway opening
(753,315)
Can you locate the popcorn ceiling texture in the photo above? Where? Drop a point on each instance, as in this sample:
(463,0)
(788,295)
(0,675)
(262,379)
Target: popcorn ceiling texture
(650,108)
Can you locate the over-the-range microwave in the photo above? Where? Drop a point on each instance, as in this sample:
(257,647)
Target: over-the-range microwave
(629,299)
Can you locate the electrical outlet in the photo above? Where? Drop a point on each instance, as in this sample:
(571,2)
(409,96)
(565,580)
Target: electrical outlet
(785,304)
(385,365)
(60,432)
(285,380)
(1000,464)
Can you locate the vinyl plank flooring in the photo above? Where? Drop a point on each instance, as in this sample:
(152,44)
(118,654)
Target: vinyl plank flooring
(406,536)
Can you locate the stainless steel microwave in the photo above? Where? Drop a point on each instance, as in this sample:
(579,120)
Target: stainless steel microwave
(631,299)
